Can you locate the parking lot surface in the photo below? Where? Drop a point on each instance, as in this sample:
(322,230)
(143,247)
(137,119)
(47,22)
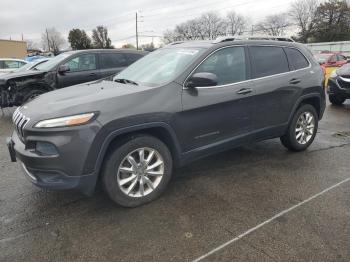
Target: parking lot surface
(256,203)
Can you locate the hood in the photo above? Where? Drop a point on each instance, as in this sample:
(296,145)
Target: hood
(344,71)
(13,75)
(88,97)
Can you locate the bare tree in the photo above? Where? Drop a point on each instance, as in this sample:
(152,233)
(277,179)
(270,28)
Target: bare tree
(212,25)
(52,40)
(235,23)
(208,26)
(274,24)
(31,45)
(303,13)
(100,38)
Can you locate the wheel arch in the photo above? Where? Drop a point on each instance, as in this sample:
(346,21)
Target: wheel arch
(313,99)
(160,130)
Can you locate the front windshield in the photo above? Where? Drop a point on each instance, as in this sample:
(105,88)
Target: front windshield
(160,66)
(25,67)
(52,63)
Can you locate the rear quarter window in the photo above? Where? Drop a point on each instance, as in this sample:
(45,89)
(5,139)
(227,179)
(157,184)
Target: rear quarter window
(268,60)
(296,59)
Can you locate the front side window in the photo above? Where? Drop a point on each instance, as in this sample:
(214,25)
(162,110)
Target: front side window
(296,59)
(161,66)
(82,63)
(112,60)
(228,64)
(268,60)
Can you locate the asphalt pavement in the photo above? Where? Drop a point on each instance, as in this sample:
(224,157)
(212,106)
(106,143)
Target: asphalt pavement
(255,203)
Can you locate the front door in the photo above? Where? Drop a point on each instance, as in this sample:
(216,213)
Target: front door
(218,113)
(82,68)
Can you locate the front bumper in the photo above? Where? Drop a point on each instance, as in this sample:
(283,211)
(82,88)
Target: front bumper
(335,88)
(64,170)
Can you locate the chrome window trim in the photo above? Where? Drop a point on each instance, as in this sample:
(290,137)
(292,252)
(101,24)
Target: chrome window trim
(248,80)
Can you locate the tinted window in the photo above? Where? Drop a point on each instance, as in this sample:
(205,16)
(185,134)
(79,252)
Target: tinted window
(82,63)
(133,57)
(268,60)
(227,64)
(112,60)
(296,59)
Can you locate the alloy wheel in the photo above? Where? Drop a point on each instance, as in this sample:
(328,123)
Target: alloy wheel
(140,172)
(305,128)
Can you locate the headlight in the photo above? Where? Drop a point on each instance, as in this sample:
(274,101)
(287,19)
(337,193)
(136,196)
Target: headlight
(334,74)
(66,121)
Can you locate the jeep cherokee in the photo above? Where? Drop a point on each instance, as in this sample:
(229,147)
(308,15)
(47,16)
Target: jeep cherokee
(177,104)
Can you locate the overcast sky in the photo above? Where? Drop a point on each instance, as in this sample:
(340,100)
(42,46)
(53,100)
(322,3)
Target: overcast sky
(32,17)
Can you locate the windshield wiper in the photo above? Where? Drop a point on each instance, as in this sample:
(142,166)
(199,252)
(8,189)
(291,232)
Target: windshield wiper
(125,81)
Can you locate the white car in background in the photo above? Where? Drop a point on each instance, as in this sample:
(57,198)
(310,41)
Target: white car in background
(8,65)
(32,65)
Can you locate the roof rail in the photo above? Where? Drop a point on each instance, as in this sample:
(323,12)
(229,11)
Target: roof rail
(252,37)
(175,43)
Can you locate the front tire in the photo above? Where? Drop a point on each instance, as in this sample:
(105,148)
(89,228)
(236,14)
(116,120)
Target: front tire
(137,171)
(302,129)
(336,100)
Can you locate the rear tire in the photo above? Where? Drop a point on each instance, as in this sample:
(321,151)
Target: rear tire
(336,100)
(302,129)
(128,177)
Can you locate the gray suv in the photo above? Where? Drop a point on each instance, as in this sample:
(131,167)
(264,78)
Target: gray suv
(175,105)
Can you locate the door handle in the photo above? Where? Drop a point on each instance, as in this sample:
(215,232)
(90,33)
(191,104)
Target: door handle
(294,81)
(92,74)
(244,91)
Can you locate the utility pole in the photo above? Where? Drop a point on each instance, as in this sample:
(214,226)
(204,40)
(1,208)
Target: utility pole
(48,41)
(137,34)
(252,30)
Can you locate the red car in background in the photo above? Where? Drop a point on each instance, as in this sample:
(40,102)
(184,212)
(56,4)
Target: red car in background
(330,59)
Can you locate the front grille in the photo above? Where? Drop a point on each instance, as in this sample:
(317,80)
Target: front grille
(20,122)
(343,84)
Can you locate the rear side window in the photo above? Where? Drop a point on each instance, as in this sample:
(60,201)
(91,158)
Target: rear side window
(133,57)
(268,60)
(296,59)
(112,60)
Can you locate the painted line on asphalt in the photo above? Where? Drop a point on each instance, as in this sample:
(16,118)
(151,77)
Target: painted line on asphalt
(251,230)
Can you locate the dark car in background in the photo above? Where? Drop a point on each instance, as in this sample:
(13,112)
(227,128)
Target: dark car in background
(175,105)
(67,69)
(338,87)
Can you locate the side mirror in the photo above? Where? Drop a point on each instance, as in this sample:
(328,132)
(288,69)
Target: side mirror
(202,80)
(63,69)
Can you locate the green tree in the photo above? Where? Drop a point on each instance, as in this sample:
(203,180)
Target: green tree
(100,38)
(78,39)
(332,21)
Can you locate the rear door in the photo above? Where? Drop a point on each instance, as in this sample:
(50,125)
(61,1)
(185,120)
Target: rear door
(221,112)
(82,68)
(112,63)
(275,87)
